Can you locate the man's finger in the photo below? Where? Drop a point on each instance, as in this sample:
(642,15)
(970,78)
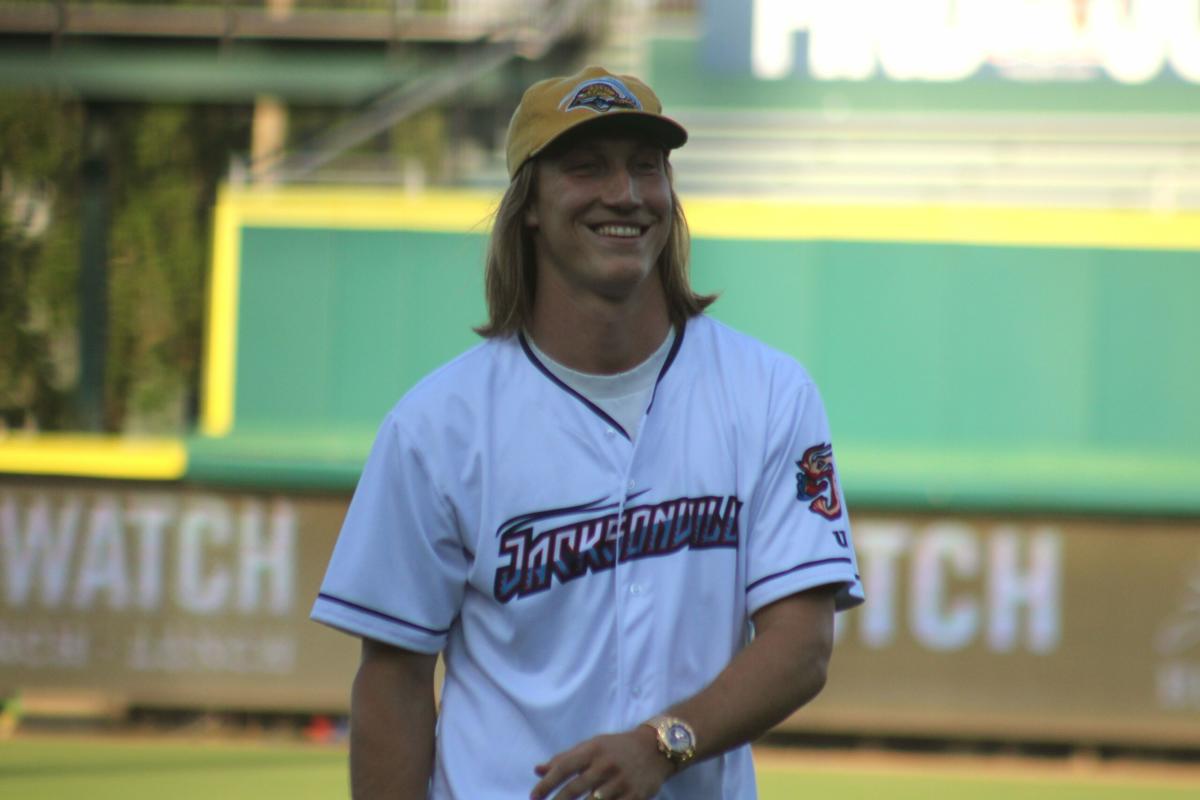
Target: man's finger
(579,788)
(609,790)
(557,770)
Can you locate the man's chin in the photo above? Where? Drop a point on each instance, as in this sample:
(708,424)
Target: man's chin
(622,286)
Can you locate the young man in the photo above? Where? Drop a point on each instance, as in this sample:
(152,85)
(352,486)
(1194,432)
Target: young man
(616,518)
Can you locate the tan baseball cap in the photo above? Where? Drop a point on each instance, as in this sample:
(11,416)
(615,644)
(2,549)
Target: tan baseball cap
(554,106)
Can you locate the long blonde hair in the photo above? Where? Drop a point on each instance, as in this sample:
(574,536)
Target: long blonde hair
(510,274)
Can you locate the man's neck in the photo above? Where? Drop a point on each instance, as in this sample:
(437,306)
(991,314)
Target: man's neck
(601,337)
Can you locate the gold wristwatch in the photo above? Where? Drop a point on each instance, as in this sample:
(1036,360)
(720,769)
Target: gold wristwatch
(676,739)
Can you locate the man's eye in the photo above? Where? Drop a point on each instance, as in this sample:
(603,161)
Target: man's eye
(579,161)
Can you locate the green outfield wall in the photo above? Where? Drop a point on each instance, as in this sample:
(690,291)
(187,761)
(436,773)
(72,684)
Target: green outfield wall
(969,358)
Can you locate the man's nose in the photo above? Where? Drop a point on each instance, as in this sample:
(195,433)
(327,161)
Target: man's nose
(621,189)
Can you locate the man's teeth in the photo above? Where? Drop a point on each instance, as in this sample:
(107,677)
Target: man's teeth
(630,231)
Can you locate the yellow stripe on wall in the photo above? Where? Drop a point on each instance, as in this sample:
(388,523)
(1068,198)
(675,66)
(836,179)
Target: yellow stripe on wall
(1025,227)
(449,211)
(220,353)
(84,456)
(741,218)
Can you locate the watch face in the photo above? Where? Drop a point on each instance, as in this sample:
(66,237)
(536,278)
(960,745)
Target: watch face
(679,738)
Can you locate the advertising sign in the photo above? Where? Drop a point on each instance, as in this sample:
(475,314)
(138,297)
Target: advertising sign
(997,626)
(1122,41)
(169,595)
(1037,628)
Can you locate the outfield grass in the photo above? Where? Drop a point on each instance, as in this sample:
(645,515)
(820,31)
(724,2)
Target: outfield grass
(105,769)
(102,769)
(844,784)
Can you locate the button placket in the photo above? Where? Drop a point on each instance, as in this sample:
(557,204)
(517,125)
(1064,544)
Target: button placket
(631,606)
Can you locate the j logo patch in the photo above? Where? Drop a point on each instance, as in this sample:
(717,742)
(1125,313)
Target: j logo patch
(815,481)
(601,95)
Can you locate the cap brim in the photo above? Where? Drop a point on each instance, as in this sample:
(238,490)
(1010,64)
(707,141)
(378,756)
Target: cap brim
(659,129)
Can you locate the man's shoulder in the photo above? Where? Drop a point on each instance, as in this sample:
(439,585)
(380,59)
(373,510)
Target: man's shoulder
(461,380)
(718,342)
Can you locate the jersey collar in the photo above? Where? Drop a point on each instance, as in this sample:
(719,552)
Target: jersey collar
(592,406)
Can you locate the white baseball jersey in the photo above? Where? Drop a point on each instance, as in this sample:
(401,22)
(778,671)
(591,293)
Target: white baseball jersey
(579,582)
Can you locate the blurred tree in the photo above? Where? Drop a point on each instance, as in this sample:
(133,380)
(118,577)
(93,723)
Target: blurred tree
(419,143)
(155,272)
(166,164)
(169,161)
(39,259)
(421,139)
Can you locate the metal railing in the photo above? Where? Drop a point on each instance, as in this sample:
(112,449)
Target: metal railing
(558,18)
(364,20)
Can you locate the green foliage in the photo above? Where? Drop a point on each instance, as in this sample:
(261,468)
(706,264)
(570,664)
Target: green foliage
(156,271)
(164,165)
(39,258)
(422,138)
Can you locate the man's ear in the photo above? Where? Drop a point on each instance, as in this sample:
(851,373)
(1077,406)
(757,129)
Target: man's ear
(530,216)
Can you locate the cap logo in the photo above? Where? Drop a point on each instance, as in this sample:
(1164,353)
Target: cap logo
(600,95)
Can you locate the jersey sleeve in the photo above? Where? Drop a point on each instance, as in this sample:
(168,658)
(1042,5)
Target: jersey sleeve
(398,571)
(799,525)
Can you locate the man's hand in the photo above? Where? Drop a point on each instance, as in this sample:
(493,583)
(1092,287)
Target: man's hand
(617,766)
(780,670)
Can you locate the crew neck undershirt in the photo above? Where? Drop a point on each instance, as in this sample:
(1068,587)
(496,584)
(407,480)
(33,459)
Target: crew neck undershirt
(623,396)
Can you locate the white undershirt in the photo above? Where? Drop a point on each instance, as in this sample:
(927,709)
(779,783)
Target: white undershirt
(623,396)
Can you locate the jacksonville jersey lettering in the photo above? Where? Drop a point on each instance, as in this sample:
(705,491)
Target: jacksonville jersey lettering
(533,559)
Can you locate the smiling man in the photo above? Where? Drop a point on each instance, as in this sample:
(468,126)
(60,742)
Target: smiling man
(617,519)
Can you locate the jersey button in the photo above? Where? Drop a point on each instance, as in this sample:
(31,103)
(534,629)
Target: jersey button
(632,483)
(610,433)
(636,589)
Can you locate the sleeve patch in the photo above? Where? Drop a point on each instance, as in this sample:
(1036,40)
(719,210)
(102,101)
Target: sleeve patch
(816,482)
